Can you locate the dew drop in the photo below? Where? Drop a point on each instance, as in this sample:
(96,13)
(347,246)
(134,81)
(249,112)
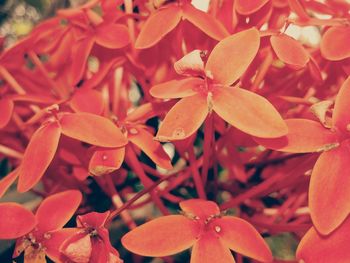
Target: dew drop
(217,229)
(133,131)
(104,157)
(47,235)
(179,133)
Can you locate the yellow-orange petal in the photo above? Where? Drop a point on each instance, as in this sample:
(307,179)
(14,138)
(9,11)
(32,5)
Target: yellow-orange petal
(93,129)
(38,155)
(183,119)
(242,237)
(205,22)
(157,26)
(163,236)
(105,161)
(59,208)
(334,248)
(248,112)
(341,113)
(245,7)
(153,149)
(231,57)
(289,50)
(329,191)
(209,248)
(87,100)
(200,208)
(335,43)
(16,221)
(6,109)
(177,88)
(303,136)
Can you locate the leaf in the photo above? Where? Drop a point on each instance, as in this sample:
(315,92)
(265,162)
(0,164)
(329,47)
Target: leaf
(157,26)
(210,248)
(341,114)
(205,22)
(303,136)
(59,208)
(163,236)
(105,161)
(87,100)
(178,124)
(290,51)
(200,208)
(244,7)
(243,238)
(6,109)
(283,246)
(334,43)
(16,221)
(92,129)
(329,190)
(248,112)
(231,57)
(153,149)
(177,88)
(333,248)
(38,155)
(112,36)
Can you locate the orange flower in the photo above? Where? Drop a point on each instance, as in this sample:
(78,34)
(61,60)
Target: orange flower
(318,248)
(329,191)
(203,227)
(241,108)
(40,234)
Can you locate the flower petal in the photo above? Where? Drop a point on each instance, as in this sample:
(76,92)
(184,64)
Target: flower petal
(92,219)
(243,238)
(6,109)
(205,22)
(54,240)
(178,124)
(93,129)
(157,26)
(248,112)
(112,36)
(59,208)
(231,57)
(329,191)
(176,88)
(289,50)
(153,149)
(106,161)
(303,136)
(38,155)
(209,248)
(16,221)
(7,181)
(334,44)
(77,248)
(326,249)
(162,236)
(87,100)
(244,7)
(200,208)
(341,113)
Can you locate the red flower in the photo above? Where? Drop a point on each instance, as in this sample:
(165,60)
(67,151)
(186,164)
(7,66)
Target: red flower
(329,191)
(203,227)
(241,108)
(90,243)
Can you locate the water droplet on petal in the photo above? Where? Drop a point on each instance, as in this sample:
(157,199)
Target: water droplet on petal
(104,157)
(217,229)
(179,133)
(133,131)
(47,235)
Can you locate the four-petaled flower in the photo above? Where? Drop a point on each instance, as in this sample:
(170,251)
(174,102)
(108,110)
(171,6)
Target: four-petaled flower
(210,91)
(203,227)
